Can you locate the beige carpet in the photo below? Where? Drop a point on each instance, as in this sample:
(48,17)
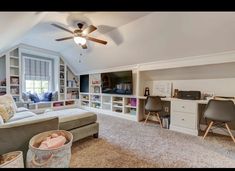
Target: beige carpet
(123,143)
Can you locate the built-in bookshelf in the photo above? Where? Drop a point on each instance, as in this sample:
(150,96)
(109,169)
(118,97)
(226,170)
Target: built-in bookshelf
(62,80)
(3,85)
(112,104)
(14,68)
(72,85)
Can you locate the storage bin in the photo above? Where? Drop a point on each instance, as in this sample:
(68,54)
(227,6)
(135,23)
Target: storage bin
(166,121)
(49,158)
(16,160)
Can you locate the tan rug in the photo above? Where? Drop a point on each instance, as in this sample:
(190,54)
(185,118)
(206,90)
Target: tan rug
(124,143)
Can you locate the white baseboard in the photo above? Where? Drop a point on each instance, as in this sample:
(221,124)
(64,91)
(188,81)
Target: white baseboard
(218,131)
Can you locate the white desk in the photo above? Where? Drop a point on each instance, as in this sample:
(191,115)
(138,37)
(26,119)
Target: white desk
(173,99)
(183,114)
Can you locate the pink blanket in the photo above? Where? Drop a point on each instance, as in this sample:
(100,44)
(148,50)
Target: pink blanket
(53,141)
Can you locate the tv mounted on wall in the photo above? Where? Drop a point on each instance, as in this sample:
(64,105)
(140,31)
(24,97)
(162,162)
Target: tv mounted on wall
(84,83)
(117,82)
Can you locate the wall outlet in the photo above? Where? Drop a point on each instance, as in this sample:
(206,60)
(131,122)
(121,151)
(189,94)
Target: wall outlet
(166,109)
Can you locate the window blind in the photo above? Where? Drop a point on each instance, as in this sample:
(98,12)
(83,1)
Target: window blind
(36,69)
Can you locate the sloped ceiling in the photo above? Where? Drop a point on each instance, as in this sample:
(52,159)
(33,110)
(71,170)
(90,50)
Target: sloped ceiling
(133,37)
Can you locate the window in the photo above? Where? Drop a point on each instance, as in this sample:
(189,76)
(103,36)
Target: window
(37,86)
(37,75)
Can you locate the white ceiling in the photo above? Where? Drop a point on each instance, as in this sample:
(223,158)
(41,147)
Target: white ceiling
(133,37)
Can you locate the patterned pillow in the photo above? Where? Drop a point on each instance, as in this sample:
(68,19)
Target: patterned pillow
(6,112)
(8,100)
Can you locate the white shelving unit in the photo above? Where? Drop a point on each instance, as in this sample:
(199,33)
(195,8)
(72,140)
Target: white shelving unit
(123,106)
(62,78)
(14,70)
(3,87)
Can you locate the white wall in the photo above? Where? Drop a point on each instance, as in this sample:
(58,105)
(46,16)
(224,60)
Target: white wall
(218,79)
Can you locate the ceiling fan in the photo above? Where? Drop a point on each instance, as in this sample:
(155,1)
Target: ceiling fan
(80,35)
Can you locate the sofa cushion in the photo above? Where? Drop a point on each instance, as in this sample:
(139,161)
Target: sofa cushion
(21,115)
(25,96)
(73,118)
(54,96)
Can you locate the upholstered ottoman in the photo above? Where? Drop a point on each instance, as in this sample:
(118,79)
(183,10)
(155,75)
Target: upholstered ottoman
(79,122)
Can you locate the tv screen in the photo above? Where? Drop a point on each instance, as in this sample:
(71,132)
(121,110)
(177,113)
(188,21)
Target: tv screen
(84,83)
(117,82)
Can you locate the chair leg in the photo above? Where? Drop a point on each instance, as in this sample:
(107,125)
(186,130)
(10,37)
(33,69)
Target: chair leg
(230,132)
(159,120)
(208,128)
(146,118)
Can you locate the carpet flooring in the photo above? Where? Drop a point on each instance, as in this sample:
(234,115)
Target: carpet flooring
(128,144)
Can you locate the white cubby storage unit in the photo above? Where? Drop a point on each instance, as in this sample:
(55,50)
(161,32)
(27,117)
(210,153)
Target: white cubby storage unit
(84,99)
(124,106)
(111,104)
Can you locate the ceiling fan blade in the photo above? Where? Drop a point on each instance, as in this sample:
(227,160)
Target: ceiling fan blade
(96,40)
(60,27)
(84,46)
(88,30)
(65,38)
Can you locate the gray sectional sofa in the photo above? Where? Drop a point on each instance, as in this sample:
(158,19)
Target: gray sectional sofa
(16,133)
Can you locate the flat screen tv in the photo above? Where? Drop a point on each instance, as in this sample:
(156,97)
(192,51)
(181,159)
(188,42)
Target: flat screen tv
(117,82)
(84,83)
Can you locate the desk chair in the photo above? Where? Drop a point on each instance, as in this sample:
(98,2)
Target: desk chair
(220,112)
(153,105)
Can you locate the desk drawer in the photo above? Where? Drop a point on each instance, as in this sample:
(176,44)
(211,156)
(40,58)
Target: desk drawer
(184,106)
(185,120)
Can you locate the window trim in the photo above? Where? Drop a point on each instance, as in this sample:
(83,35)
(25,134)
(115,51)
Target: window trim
(39,59)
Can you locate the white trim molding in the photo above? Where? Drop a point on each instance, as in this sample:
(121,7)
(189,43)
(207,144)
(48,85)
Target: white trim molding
(216,58)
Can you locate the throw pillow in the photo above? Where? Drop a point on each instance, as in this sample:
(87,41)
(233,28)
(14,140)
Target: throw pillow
(54,96)
(46,97)
(34,97)
(25,96)
(6,112)
(8,100)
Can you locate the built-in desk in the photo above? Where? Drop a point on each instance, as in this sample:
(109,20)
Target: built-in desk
(184,114)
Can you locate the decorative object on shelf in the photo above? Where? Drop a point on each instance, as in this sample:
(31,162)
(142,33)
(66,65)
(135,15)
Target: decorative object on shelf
(62,75)
(176,93)
(146,91)
(133,101)
(96,89)
(76,81)
(3,82)
(162,88)
(14,80)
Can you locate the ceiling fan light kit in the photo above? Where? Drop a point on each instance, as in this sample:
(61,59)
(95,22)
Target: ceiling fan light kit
(79,40)
(80,35)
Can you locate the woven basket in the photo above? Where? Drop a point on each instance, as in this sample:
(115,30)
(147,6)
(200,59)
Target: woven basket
(49,158)
(16,162)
